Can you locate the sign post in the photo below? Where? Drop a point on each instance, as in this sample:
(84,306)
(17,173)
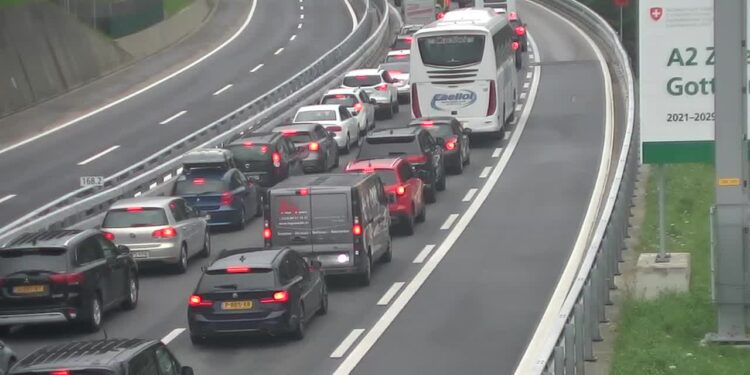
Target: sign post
(621,4)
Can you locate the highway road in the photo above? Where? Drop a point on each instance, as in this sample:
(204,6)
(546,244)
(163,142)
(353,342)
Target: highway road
(479,300)
(280,39)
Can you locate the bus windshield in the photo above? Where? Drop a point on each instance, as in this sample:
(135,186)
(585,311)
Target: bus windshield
(451,50)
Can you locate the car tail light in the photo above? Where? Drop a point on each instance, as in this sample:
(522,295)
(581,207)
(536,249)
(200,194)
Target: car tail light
(451,143)
(238,269)
(415,101)
(493,99)
(520,30)
(267,234)
(199,181)
(109,236)
(197,300)
(276,157)
(226,198)
(381,87)
(400,190)
(358,107)
(416,159)
(334,128)
(247,144)
(314,146)
(356,228)
(303,192)
(167,232)
(440,16)
(277,297)
(515,46)
(428,124)
(67,278)
(408,38)
(59,372)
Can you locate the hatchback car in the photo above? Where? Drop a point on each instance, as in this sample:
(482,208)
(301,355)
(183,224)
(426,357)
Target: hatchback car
(405,190)
(379,85)
(158,230)
(402,42)
(7,358)
(266,158)
(319,149)
(336,119)
(400,71)
(416,146)
(102,357)
(357,102)
(272,291)
(456,149)
(64,276)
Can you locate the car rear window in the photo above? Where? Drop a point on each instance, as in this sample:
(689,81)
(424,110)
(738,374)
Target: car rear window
(443,131)
(342,99)
(362,80)
(384,147)
(135,217)
(395,68)
(311,116)
(451,50)
(310,219)
(397,58)
(401,43)
(298,137)
(51,259)
(222,280)
(250,152)
(199,184)
(72,372)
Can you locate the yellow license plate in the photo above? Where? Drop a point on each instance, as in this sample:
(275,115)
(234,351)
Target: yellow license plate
(237,305)
(29,289)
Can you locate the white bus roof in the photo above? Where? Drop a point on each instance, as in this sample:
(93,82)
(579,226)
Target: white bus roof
(475,19)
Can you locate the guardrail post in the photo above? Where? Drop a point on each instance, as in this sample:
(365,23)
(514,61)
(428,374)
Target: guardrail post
(580,337)
(596,301)
(570,354)
(558,357)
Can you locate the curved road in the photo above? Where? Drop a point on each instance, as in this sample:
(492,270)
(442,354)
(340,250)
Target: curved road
(477,310)
(284,36)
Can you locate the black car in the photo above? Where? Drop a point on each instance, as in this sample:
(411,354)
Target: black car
(319,149)
(102,357)
(456,149)
(266,158)
(64,276)
(417,146)
(272,291)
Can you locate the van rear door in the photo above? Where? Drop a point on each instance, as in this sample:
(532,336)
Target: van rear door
(291,220)
(331,223)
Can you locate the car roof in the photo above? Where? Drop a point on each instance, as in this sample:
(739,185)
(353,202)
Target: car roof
(382,163)
(50,238)
(259,137)
(160,202)
(319,107)
(395,132)
(206,156)
(326,180)
(343,90)
(251,257)
(306,126)
(82,354)
(363,72)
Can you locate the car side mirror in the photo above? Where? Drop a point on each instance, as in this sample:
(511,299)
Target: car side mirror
(187,370)
(122,249)
(373,101)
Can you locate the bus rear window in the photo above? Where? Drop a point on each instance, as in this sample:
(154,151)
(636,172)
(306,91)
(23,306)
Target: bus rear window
(451,50)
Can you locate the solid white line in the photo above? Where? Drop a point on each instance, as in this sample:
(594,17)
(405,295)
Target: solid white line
(423,254)
(354,15)
(525,85)
(149,87)
(449,222)
(225,88)
(367,342)
(256,68)
(523,96)
(390,293)
(347,343)
(496,153)
(167,121)
(569,274)
(7,198)
(172,335)
(528,76)
(469,195)
(299,26)
(97,156)
(293,37)
(278,51)
(485,172)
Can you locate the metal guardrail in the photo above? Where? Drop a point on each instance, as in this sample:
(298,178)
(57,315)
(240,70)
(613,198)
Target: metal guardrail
(567,343)
(363,46)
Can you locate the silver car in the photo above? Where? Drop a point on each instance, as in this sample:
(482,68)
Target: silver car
(357,102)
(336,119)
(379,85)
(158,230)
(7,358)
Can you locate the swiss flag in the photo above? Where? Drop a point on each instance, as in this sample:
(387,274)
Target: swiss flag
(656,13)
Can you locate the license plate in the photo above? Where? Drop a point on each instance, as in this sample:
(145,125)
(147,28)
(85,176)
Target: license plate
(237,305)
(139,254)
(29,289)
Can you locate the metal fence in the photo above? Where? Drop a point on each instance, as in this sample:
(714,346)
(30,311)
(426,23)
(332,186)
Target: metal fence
(566,343)
(363,46)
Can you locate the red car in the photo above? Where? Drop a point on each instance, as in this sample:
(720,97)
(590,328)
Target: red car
(405,189)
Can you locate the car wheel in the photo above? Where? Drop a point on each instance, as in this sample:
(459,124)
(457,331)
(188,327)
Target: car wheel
(323,300)
(336,160)
(459,167)
(206,252)
(93,318)
(512,116)
(389,112)
(467,160)
(408,226)
(430,194)
(366,276)
(197,340)
(259,205)
(298,333)
(132,298)
(422,214)
(182,264)
(440,185)
(388,255)
(396,108)
(348,147)
(243,219)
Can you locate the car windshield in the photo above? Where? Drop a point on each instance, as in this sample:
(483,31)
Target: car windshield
(316,115)
(362,80)
(451,50)
(249,151)
(384,147)
(199,183)
(396,68)
(135,217)
(347,100)
(48,259)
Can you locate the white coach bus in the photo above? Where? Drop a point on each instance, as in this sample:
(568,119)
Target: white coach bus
(464,66)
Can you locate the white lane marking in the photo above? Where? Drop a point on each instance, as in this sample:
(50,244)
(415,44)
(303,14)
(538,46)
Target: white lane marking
(347,343)
(97,156)
(278,51)
(300,25)
(531,56)
(485,172)
(7,198)
(354,15)
(519,107)
(423,254)
(497,152)
(302,16)
(469,195)
(449,222)
(570,272)
(528,76)
(525,85)
(256,68)
(167,121)
(225,88)
(301,7)
(293,37)
(372,336)
(507,134)
(523,96)
(390,293)
(172,335)
(149,87)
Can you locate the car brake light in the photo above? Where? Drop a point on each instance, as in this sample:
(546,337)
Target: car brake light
(264,149)
(277,297)
(401,190)
(276,157)
(167,232)
(450,144)
(108,235)
(267,234)
(134,209)
(493,99)
(415,101)
(408,38)
(247,144)
(416,159)
(358,107)
(199,181)
(288,133)
(515,46)
(428,124)
(340,96)
(361,78)
(334,128)
(226,198)
(520,30)
(356,228)
(512,16)
(238,269)
(381,87)
(198,301)
(67,278)
(314,146)
(59,372)
(303,192)
(440,16)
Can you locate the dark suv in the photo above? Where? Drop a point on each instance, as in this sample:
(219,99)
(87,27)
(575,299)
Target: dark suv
(417,146)
(266,158)
(64,276)
(102,357)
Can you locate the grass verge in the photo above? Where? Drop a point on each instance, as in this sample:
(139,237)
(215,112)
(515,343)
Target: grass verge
(171,7)
(663,336)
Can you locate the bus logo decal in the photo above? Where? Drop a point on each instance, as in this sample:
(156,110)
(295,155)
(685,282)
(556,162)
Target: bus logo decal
(457,100)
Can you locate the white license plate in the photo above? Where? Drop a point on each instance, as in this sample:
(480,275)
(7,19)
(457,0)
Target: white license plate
(139,254)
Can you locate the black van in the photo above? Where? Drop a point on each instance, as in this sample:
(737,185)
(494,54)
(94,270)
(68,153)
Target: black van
(342,220)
